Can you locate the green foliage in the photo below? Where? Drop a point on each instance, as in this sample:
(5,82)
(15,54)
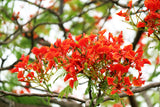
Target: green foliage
(155,97)
(34,100)
(46,17)
(122,103)
(65,92)
(12,82)
(24,43)
(85,23)
(104,7)
(17,53)
(115,97)
(99,100)
(59,76)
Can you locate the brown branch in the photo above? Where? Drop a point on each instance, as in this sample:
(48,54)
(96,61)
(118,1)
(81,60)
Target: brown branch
(54,13)
(68,103)
(157,37)
(48,9)
(125,5)
(117,3)
(10,66)
(40,95)
(61,6)
(16,33)
(24,86)
(135,90)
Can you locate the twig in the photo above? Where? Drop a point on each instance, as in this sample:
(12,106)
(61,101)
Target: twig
(40,95)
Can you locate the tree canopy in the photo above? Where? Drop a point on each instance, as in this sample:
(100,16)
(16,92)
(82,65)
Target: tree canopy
(43,41)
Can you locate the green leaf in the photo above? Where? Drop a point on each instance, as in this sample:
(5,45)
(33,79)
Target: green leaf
(34,100)
(122,103)
(115,97)
(25,43)
(66,91)
(87,91)
(1,53)
(76,84)
(18,54)
(56,60)
(61,75)
(99,100)
(108,91)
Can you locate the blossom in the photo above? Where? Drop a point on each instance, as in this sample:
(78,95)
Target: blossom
(124,14)
(110,80)
(130,3)
(158,60)
(95,56)
(128,92)
(153,5)
(140,24)
(127,81)
(138,82)
(117,105)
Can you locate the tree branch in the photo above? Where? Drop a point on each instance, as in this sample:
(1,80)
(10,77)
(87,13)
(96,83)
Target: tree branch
(135,90)
(40,95)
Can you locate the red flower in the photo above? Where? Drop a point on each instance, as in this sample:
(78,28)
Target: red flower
(16,69)
(127,81)
(71,83)
(110,81)
(21,92)
(20,74)
(128,92)
(117,105)
(130,3)
(150,31)
(125,14)
(140,24)
(153,5)
(30,75)
(68,76)
(146,61)
(96,56)
(102,32)
(158,60)
(102,71)
(137,82)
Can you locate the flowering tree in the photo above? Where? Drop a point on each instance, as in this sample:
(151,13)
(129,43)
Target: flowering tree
(86,50)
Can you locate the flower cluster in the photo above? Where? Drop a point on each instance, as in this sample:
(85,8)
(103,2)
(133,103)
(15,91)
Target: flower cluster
(99,58)
(152,20)
(127,13)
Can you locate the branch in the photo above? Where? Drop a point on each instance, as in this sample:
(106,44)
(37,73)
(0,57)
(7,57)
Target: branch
(135,90)
(10,66)
(16,33)
(61,6)
(40,95)
(26,86)
(64,103)
(54,13)
(125,5)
